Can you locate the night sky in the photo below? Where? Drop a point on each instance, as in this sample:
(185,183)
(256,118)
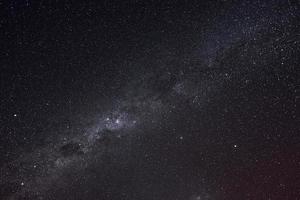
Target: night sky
(149,100)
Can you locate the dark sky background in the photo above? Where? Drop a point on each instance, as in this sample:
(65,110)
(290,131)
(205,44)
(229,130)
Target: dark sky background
(149,100)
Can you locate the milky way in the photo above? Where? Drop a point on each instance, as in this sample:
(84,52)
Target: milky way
(203,109)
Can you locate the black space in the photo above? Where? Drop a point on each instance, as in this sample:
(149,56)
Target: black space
(149,100)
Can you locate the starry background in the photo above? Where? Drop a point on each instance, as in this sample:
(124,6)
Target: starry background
(191,100)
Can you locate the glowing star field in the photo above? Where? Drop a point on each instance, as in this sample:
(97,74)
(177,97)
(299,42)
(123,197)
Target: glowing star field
(144,100)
